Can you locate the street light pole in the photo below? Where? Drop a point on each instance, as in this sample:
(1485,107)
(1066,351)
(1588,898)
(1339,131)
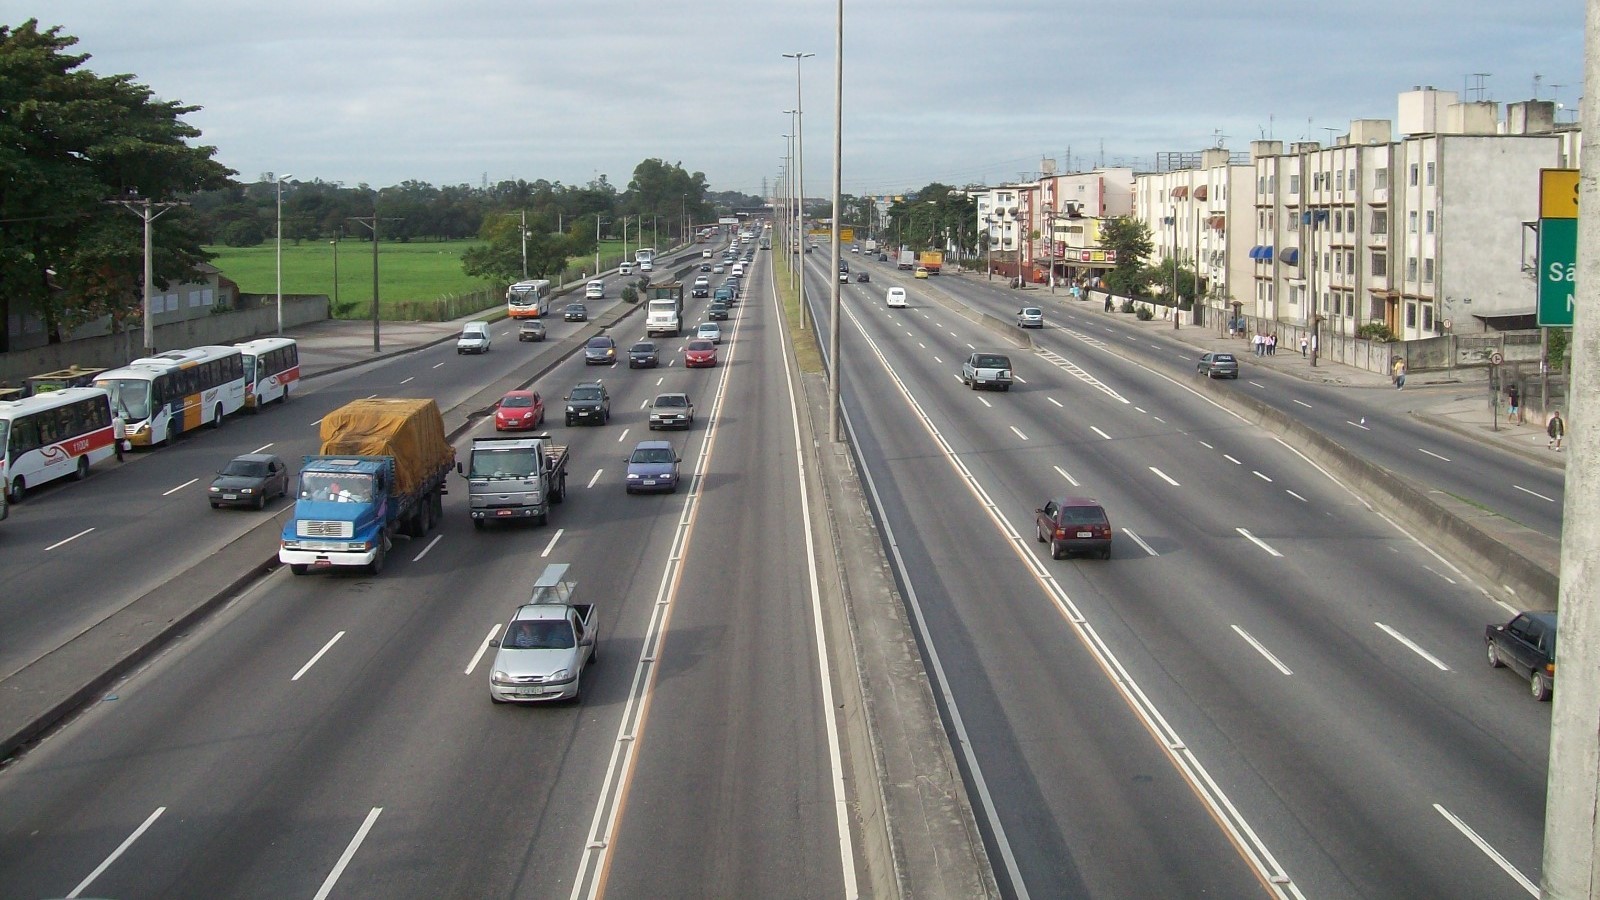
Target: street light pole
(1175,309)
(597,221)
(525,244)
(278,183)
(335,243)
(834,430)
(146,210)
(800,172)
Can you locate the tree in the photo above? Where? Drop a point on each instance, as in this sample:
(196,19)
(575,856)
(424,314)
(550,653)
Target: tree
(499,258)
(70,141)
(1130,238)
(1159,276)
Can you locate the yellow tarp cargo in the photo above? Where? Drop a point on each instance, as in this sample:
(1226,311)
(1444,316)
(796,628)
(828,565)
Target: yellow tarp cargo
(411,431)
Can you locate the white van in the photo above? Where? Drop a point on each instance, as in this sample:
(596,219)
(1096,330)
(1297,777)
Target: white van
(625,269)
(474,338)
(738,269)
(896,298)
(596,290)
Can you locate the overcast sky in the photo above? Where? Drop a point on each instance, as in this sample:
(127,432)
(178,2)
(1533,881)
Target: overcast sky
(382,91)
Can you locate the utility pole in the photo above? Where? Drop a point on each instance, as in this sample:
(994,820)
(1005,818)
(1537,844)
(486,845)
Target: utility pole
(371,222)
(149,211)
(1572,805)
(835,427)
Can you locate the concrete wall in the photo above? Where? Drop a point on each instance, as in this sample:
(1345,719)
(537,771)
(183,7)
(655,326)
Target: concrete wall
(116,349)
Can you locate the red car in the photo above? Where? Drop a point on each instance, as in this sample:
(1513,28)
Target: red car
(699,353)
(1074,524)
(519,411)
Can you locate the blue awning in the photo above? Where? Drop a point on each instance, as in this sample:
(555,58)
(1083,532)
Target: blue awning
(1263,253)
(1290,256)
(1255,252)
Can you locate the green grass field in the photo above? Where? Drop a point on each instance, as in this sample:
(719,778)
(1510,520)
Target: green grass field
(409,274)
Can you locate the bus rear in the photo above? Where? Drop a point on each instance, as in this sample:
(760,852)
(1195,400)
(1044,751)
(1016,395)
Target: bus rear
(271,367)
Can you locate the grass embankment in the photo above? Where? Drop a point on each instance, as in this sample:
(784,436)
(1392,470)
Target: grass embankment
(806,353)
(412,277)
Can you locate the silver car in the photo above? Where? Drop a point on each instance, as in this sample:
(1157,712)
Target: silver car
(672,410)
(1030,317)
(542,653)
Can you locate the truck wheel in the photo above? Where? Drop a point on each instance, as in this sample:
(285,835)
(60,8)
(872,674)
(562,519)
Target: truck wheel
(559,495)
(425,516)
(376,566)
(19,489)
(438,506)
(298,568)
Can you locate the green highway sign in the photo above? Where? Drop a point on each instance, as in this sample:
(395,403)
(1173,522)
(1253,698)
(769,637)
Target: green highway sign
(1558,271)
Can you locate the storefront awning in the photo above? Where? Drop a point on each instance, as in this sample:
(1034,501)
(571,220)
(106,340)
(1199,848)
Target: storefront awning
(1290,256)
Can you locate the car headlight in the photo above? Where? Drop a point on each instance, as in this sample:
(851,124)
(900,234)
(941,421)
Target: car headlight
(247,490)
(633,476)
(215,489)
(559,675)
(499,676)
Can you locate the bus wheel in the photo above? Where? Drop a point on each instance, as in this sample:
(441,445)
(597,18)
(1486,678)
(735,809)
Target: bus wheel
(83,469)
(19,489)
(216,417)
(284,398)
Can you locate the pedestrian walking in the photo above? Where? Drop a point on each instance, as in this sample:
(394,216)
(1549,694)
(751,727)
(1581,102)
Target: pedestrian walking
(1556,428)
(119,434)
(1272,344)
(1400,373)
(1303,344)
(1255,343)
(1516,405)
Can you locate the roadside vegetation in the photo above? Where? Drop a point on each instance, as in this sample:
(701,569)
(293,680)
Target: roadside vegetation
(804,339)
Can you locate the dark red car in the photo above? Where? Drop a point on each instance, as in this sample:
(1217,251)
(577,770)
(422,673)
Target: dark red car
(519,411)
(699,354)
(1074,525)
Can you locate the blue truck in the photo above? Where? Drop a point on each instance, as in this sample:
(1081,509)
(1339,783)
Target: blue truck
(381,470)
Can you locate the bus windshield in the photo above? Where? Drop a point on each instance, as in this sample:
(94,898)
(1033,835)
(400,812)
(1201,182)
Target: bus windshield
(5,434)
(130,398)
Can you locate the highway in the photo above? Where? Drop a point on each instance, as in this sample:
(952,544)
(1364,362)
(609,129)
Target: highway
(1269,689)
(332,735)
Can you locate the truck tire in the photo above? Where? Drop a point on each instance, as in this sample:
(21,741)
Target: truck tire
(559,493)
(424,516)
(478,524)
(438,506)
(376,566)
(298,568)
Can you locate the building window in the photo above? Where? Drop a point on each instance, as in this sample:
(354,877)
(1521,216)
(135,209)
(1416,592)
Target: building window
(1261,184)
(1430,173)
(1427,271)
(1413,174)
(1380,179)
(1294,184)
(1411,269)
(1350,261)
(1411,315)
(1339,180)
(1428,225)
(1380,222)
(1351,177)
(1427,317)
(1338,264)
(1350,221)
(1380,264)
(1411,221)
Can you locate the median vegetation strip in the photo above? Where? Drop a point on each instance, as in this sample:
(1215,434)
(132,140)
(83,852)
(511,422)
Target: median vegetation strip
(806,352)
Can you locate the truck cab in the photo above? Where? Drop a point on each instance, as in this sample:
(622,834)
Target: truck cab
(664,309)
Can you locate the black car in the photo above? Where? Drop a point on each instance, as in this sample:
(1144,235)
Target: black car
(576,312)
(601,350)
(717,311)
(644,355)
(1526,645)
(705,267)
(1218,365)
(862,276)
(249,480)
(589,403)
(883,257)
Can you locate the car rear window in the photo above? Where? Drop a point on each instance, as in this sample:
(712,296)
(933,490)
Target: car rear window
(1083,515)
(992,361)
(1222,357)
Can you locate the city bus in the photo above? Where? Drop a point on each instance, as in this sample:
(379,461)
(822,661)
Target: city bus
(53,435)
(645,257)
(528,299)
(271,365)
(162,396)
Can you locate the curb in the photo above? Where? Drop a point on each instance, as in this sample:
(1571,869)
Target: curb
(1551,461)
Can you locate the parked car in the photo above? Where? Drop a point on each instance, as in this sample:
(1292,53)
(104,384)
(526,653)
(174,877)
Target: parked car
(1218,365)
(249,480)
(531,330)
(709,331)
(474,338)
(671,410)
(896,298)
(601,350)
(652,466)
(589,403)
(1074,525)
(576,312)
(699,354)
(644,355)
(519,411)
(1526,645)
(1030,317)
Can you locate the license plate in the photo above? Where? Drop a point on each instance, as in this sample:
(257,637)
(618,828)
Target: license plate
(1085,534)
(502,512)
(535,690)
(649,481)
(322,564)
(230,496)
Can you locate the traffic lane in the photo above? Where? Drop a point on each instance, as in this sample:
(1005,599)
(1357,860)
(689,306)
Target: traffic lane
(736,710)
(1217,481)
(445,604)
(1066,761)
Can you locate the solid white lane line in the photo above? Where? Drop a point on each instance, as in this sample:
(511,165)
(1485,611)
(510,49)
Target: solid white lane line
(482,649)
(1164,476)
(1358,424)
(1261,476)
(436,539)
(1534,493)
(621,437)
(1070,480)
(552,545)
(1412,646)
(1018,433)
(1055,401)
(1261,650)
(986,403)
(1302,403)
(1504,864)
(440,364)
(1258,542)
(594,478)
(263,447)
(121,848)
(179,487)
(1433,454)
(1232,460)
(1296,496)
(1205,445)
(349,853)
(68,540)
(1099,432)
(1140,541)
(313,660)
(413,377)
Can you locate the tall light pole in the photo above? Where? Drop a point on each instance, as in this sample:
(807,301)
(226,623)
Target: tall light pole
(1175,310)
(278,183)
(149,211)
(800,171)
(597,222)
(524,220)
(335,243)
(834,431)
(794,272)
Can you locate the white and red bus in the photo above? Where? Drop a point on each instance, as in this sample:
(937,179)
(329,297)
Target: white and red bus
(528,299)
(162,396)
(271,366)
(53,435)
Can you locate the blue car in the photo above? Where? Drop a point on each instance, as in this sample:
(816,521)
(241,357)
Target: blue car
(653,466)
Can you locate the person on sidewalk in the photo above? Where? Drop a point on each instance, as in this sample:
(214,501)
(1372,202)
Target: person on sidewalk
(1272,344)
(1400,374)
(1556,429)
(1516,406)
(1303,345)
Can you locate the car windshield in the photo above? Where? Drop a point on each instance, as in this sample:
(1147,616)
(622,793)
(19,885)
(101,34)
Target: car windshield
(700,345)
(246,468)
(586,393)
(666,400)
(989,361)
(575,307)
(652,455)
(1083,515)
(517,403)
(642,348)
(600,343)
(503,464)
(539,635)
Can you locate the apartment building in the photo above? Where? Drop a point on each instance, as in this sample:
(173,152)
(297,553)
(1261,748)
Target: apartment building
(1201,216)
(1054,222)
